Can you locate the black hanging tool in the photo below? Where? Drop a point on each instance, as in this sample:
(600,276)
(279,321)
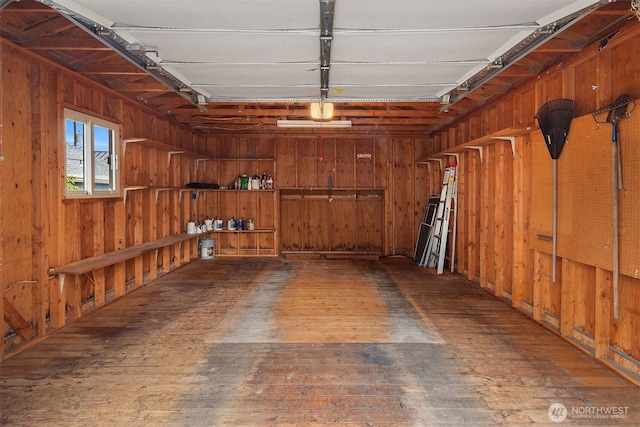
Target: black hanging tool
(555,118)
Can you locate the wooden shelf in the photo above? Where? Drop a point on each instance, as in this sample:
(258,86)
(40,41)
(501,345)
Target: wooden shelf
(171,149)
(478,144)
(240,159)
(229,190)
(257,230)
(111,258)
(261,205)
(258,242)
(301,193)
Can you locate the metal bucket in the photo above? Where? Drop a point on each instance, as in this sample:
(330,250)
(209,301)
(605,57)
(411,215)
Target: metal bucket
(207,248)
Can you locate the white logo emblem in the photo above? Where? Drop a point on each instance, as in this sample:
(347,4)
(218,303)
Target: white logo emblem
(557,412)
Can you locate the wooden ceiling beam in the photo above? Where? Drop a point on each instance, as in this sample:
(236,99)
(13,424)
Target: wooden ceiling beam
(67,43)
(112,70)
(303,110)
(48,28)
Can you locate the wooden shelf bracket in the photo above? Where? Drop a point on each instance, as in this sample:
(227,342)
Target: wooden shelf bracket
(132,188)
(476,147)
(512,139)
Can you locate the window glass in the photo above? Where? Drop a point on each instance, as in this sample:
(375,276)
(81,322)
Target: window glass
(91,156)
(75,161)
(103,158)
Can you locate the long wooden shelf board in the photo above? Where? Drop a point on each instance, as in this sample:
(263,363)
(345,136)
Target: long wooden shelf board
(155,144)
(313,189)
(229,189)
(483,141)
(240,159)
(111,258)
(334,192)
(168,187)
(257,230)
(148,142)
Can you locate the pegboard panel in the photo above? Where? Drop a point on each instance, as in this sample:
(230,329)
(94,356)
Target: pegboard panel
(629,198)
(585,195)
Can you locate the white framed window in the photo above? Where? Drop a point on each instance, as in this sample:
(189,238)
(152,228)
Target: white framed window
(91,156)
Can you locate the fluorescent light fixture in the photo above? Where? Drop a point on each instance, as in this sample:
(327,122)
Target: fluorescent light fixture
(321,110)
(314,124)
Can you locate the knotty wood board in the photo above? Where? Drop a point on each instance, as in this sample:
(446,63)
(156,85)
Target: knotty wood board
(328,360)
(111,258)
(584,195)
(370,222)
(342,223)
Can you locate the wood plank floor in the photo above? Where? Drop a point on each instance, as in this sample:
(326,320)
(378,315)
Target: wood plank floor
(242,342)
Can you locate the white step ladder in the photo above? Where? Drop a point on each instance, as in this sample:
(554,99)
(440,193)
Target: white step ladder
(437,247)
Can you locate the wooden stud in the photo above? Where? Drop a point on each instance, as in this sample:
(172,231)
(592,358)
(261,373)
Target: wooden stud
(538,286)
(485,195)
(568,299)
(73,297)
(473,216)
(461,208)
(500,197)
(520,233)
(602,336)
(99,294)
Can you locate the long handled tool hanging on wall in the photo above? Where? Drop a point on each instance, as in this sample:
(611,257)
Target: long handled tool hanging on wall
(615,112)
(555,118)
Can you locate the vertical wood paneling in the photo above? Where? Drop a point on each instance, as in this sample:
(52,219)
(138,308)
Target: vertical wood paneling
(286,162)
(461,211)
(501,202)
(316,224)
(625,331)
(382,163)
(603,313)
(491,157)
(473,215)
(265,210)
(307,160)
(345,164)
(247,205)
(326,164)
(403,196)
(520,232)
(370,222)
(290,229)
(17,216)
(484,242)
(365,167)
(342,223)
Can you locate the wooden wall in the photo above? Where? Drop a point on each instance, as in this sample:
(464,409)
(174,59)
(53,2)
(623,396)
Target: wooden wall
(505,205)
(40,230)
(503,198)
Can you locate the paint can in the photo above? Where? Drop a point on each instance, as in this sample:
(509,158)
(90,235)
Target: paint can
(208,224)
(191,227)
(218,224)
(231,224)
(207,248)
